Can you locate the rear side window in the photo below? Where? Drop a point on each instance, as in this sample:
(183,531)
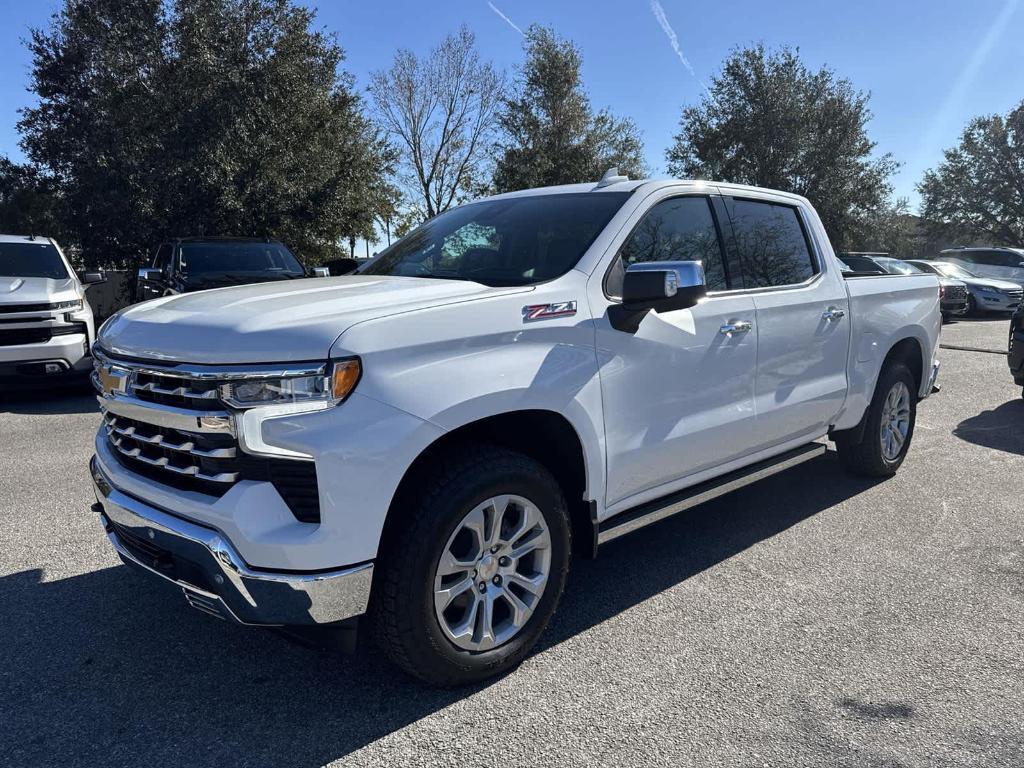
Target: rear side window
(998,258)
(678,229)
(771,244)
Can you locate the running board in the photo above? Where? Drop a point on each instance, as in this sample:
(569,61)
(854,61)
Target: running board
(630,520)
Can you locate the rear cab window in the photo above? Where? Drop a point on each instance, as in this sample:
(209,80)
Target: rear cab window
(770,244)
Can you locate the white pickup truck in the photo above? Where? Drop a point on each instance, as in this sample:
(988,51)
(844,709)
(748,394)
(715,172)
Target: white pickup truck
(46,323)
(517,382)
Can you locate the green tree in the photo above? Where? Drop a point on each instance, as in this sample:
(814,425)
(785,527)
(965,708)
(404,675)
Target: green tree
(199,117)
(977,191)
(550,132)
(441,113)
(29,202)
(770,121)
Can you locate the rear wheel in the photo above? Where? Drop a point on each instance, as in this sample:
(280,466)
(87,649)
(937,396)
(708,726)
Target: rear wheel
(888,429)
(471,578)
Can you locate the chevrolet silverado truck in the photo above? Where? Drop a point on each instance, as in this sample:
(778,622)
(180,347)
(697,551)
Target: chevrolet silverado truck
(46,323)
(518,382)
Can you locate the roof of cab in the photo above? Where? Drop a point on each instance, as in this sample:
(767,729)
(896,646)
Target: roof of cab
(650,185)
(24,239)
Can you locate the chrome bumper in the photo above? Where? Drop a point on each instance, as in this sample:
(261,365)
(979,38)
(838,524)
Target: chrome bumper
(214,577)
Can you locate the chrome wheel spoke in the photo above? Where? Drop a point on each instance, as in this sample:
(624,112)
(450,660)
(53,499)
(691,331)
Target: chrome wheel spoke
(444,597)
(520,610)
(531,584)
(538,539)
(450,564)
(484,636)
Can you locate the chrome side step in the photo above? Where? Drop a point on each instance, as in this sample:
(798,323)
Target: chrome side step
(630,520)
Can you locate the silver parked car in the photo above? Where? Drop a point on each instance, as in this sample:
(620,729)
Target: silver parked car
(985,294)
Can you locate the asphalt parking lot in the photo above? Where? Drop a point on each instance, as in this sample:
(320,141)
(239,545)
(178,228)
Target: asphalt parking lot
(812,619)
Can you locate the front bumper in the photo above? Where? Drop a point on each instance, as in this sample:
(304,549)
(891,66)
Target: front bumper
(70,353)
(213,576)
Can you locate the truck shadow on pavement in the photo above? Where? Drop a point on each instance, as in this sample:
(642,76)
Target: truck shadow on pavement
(1001,428)
(111,668)
(48,399)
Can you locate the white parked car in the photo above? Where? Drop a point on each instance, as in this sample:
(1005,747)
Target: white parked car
(46,324)
(519,381)
(996,263)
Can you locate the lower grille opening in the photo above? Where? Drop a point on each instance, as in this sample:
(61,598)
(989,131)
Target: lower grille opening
(210,464)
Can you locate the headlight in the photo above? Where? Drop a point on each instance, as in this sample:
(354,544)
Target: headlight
(74,304)
(330,388)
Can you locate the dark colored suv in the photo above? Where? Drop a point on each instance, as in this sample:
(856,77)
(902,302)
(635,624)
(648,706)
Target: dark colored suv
(1016,348)
(197,263)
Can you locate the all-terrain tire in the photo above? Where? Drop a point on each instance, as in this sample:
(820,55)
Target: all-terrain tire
(402,612)
(865,455)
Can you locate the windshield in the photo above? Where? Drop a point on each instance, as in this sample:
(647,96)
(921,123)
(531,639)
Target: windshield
(199,258)
(952,270)
(897,267)
(514,241)
(31,260)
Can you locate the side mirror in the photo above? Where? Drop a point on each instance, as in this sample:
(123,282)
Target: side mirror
(661,286)
(94,278)
(320,272)
(148,273)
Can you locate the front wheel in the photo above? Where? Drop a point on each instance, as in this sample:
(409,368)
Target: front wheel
(889,426)
(472,575)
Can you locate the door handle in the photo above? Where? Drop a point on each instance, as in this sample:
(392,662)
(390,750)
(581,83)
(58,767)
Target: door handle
(736,326)
(833,313)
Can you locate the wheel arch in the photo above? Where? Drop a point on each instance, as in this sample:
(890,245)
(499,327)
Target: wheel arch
(546,436)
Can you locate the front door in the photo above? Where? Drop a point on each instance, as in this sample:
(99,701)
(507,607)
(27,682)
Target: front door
(679,393)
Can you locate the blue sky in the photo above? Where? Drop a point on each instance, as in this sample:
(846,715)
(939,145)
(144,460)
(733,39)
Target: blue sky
(930,64)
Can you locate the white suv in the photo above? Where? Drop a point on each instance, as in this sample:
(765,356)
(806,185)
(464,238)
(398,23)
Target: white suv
(46,324)
(998,263)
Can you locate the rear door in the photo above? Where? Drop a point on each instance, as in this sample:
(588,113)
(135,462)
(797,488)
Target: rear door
(803,324)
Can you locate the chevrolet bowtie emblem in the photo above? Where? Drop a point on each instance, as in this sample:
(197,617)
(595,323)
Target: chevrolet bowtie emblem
(112,380)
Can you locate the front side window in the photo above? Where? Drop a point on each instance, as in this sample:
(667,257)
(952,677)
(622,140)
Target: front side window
(771,244)
(677,229)
(206,258)
(510,241)
(31,260)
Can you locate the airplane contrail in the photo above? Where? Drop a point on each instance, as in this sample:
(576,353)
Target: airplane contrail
(506,18)
(673,39)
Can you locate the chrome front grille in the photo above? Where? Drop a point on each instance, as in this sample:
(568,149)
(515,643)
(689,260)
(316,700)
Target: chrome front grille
(174,428)
(956,293)
(182,453)
(175,390)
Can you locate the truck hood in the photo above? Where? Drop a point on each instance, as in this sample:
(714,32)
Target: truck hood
(273,322)
(37,290)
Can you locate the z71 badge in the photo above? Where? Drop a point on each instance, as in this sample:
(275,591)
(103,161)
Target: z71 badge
(548,311)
